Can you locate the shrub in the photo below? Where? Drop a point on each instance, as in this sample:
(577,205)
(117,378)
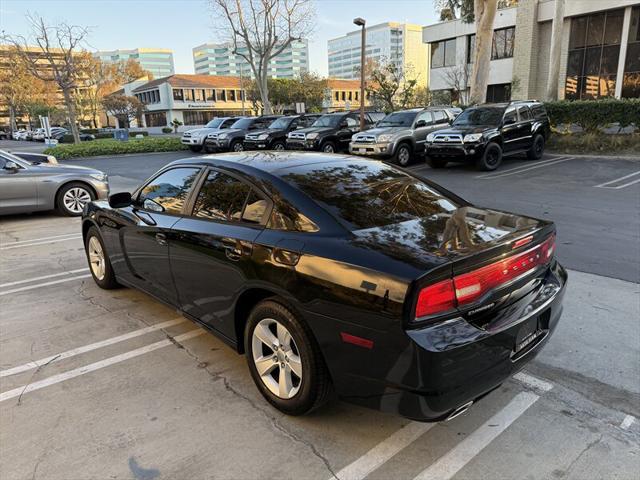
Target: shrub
(167,130)
(115,147)
(593,115)
(594,142)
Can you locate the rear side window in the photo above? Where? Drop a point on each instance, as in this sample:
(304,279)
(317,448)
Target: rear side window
(364,194)
(168,191)
(538,111)
(525,113)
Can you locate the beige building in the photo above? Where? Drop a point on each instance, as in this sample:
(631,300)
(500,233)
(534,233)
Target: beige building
(600,51)
(397,43)
(343,95)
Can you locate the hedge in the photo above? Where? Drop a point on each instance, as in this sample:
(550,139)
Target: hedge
(116,147)
(592,115)
(594,142)
(69,138)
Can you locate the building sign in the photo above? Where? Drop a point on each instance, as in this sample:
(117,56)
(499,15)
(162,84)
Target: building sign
(201,105)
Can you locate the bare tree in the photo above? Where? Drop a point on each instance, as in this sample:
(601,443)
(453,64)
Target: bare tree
(53,58)
(262,29)
(458,78)
(124,108)
(484,13)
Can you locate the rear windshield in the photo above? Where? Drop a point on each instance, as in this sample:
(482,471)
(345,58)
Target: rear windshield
(363,194)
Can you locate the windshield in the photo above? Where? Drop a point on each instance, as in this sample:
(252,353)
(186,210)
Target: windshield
(243,123)
(398,119)
(479,116)
(215,123)
(327,121)
(368,194)
(282,122)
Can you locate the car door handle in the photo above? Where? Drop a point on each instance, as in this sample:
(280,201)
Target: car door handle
(161,238)
(232,248)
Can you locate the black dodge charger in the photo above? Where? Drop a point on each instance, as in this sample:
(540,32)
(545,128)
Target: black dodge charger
(334,273)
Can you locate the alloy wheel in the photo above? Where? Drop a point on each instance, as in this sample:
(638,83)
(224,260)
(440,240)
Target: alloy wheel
(238,147)
(539,146)
(276,358)
(96,257)
(403,156)
(75,199)
(328,148)
(278,146)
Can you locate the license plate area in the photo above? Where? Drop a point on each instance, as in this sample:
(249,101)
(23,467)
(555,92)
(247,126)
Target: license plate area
(530,334)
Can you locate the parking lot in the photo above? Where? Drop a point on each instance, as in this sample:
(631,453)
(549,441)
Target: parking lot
(113,384)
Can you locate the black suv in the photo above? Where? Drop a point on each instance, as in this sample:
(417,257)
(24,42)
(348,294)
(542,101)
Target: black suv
(485,133)
(232,138)
(331,132)
(275,137)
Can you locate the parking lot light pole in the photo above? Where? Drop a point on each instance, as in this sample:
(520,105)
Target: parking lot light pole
(361,23)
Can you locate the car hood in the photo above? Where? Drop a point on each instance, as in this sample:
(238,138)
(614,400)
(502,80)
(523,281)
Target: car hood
(201,131)
(382,130)
(427,242)
(268,131)
(464,130)
(315,130)
(66,168)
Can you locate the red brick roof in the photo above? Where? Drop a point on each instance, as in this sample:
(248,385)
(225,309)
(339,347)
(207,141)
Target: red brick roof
(335,84)
(192,81)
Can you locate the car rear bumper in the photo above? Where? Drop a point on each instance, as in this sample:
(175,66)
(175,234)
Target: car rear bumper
(436,369)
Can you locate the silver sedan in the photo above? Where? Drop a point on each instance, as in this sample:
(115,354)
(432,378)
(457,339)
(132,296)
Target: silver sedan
(27,187)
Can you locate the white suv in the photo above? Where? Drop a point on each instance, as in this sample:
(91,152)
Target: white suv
(194,139)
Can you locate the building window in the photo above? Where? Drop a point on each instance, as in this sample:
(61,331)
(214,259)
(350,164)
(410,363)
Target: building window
(343,94)
(471,48)
(337,96)
(220,95)
(594,49)
(357,94)
(189,95)
(156,119)
(231,95)
(631,80)
(443,53)
(198,117)
(178,94)
(502,45)
(499,93)
(210,95)
(199,95)
(350,96)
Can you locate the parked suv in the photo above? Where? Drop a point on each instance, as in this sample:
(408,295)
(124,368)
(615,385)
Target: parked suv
(401,135)
(331,132)
(485,133)
(232,139)
(194,138)
(275,137)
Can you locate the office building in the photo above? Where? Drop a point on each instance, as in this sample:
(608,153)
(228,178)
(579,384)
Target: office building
(219,59)
(391,42)
(158,61)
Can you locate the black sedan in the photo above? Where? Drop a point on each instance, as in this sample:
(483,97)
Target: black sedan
(334,273)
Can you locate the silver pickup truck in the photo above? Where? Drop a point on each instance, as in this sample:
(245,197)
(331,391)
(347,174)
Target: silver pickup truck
(401,135)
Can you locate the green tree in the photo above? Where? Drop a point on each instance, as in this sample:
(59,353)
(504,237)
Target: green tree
(124,108)
(388,86)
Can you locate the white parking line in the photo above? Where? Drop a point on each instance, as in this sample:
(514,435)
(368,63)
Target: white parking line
(533,382)
(627,422)
(44,242)
(524,168)
(40,285)
(617,187)
(19,242)
(43,277)
(16,392)
(88,348)
(454,460)
(382,452)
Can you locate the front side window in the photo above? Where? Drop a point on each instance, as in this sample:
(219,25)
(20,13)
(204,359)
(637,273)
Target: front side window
(168,192)
(351,122)
(426,117)
(510,116)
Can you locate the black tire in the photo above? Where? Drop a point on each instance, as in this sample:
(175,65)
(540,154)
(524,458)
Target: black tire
(537,148)
(195,148)
(314,387)
(206,149)
(435,162)
(66,209)
(278,145)
(402,156)
(328,147)
(491,158)
(108,281)
(236,146)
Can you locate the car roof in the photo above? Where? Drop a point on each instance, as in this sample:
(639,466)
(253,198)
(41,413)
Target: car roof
(270,162)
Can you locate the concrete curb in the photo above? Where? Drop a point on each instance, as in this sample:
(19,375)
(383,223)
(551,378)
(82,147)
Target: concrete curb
(592,155)
(120,155)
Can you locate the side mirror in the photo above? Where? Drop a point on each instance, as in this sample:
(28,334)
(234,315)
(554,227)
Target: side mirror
(344,125)
(12,166)
(421,123)
(120,200)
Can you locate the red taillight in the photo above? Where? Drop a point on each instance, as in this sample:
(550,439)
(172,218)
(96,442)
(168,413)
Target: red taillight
(469,287)
(436,298)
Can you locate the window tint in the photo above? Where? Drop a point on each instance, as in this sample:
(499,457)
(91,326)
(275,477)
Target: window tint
(255,208)
(538,111)
(426,116)
(439,116)
(287,217)
(510,115)
(169,190)
(351,122)
(221,197)
(525,113)
(365,194)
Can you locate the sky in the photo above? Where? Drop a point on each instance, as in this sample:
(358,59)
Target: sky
(181,25)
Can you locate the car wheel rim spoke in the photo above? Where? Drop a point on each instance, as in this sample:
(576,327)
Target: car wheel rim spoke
(96,258)
(75,199)
(276,358)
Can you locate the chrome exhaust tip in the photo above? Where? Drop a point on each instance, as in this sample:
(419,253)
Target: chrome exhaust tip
(459,411)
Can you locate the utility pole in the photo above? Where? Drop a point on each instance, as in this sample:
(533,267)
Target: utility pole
(242,86)
(361,22)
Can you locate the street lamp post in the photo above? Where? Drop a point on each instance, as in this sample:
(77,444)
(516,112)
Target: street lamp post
(361,23)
